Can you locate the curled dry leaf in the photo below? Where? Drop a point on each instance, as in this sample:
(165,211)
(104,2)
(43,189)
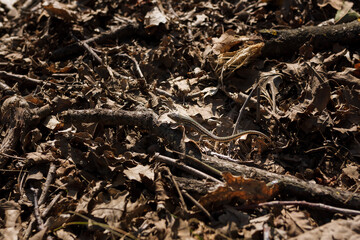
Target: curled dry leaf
(154,18)
(60,10)
(239,189)
(337,4)
(231,61)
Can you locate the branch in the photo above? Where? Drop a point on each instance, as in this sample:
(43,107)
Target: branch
(288,41)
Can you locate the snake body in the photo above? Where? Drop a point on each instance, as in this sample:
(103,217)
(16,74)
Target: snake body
(185,120)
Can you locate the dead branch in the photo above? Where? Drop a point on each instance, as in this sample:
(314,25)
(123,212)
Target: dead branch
(286,42)
(290,185)
(144,119)
(32,222)
(122,33)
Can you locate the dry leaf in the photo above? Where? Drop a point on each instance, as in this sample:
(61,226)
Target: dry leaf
(239,189)
(154,18)
(60,10)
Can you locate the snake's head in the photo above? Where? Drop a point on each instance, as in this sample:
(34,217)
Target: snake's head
(174,116)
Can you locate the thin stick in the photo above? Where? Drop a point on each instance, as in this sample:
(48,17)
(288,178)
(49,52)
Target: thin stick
(241,113)
(49,178)
(11,156)
(199,163)
(162,92)
(8,90)
(29,228)
(177,188)
(51,205)
(24,79)
(43,214)
(183,167)
(39,220)
(257,104)
(267,232)
(135,62)
(320,78)
(198,204)
(88,48)
(306,204)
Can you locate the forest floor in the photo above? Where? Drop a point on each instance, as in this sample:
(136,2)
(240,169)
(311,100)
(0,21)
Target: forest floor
(111,113)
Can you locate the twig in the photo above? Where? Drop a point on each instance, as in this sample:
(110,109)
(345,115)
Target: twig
(88,48)
(29,228)
(21,182)
(183,167)
(114,230)
(11,156)
(64,75)
(43,214)
(177,189)
(198,205)
(357,188)
(51,205)
(194,94)
(257,104)
(320,78)
(240,98)
(7,90)
(142,118)
(305,204)
(241,113)
(222,156)
(13,170)
(162,92)
(197,163)
(96,57)
(267,232)
(135,62)
(49,179)
(39,220)
(24,79)
(28,4)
